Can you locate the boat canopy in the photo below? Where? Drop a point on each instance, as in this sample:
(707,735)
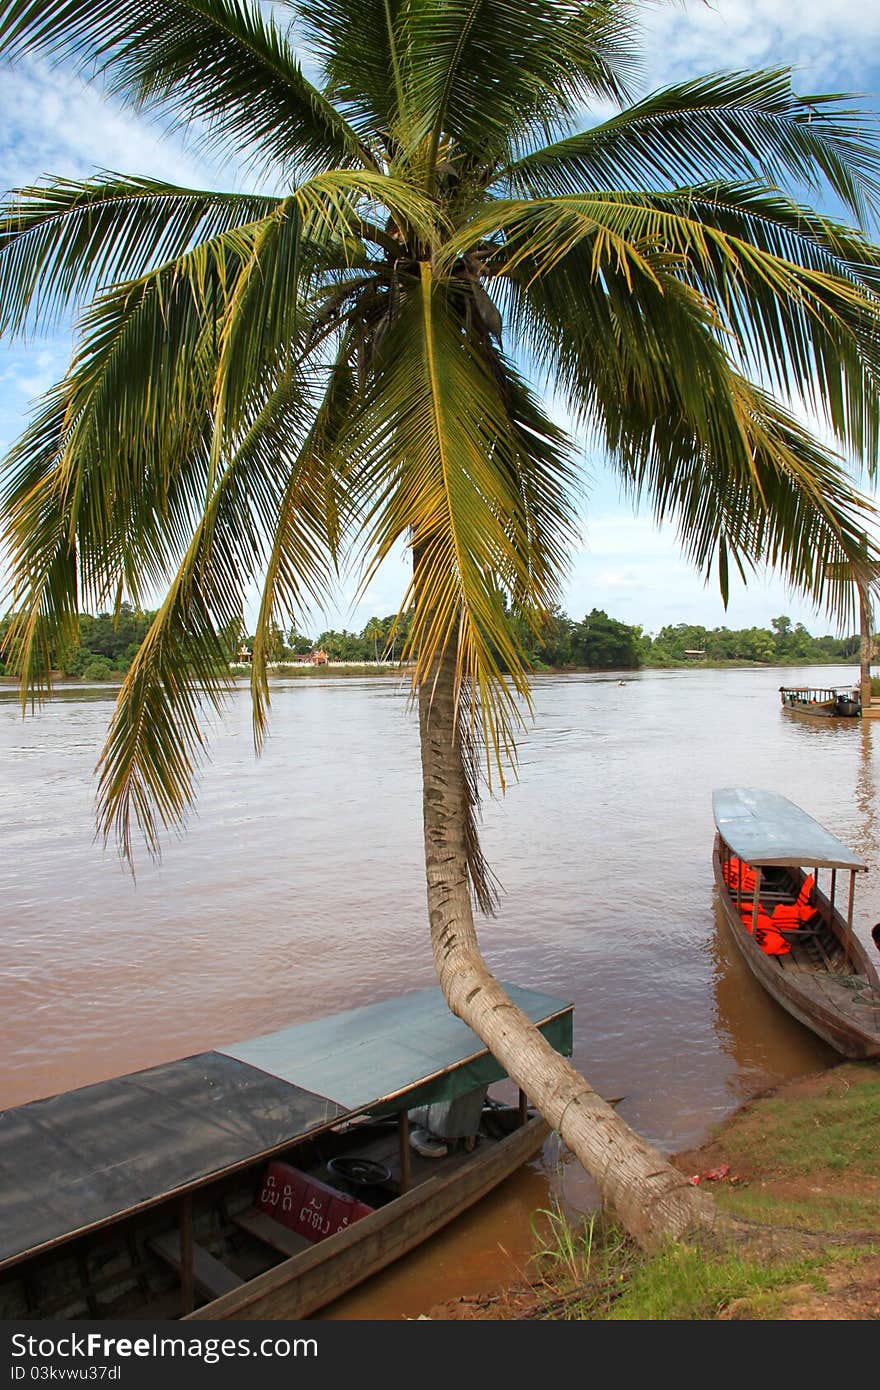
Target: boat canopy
(764,828)
(78,1161)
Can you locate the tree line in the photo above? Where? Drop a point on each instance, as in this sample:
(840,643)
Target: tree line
(108,644)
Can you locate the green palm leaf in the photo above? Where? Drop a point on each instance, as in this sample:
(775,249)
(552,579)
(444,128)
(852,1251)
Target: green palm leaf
(62,241)
(220,61)
(737,127)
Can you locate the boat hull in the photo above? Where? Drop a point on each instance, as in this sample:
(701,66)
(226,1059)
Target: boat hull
(309,1281)
(846,1036)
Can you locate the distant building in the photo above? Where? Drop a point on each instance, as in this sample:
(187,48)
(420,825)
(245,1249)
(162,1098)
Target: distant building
(694,655)
(312,658)
(245,656)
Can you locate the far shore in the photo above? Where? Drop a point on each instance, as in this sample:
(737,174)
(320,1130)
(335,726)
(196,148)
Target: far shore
(391,668)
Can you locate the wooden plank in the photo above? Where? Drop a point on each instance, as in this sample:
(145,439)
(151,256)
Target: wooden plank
(187,1288)
(299,1286)
(271,1232)
(210,1276)
(404,1151)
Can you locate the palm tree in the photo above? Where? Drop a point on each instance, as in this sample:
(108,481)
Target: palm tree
(349,360)
(372,632)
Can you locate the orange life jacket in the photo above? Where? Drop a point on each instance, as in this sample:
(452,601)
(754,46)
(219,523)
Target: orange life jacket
(737,874)
(801,910)
(771,942)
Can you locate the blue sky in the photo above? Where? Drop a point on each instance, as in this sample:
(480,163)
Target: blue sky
(54,124)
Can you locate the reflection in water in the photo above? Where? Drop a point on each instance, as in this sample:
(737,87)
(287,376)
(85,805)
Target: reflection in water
(298,890)
(751,1027)
(865,841)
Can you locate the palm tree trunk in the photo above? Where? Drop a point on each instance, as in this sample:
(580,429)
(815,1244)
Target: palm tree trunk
(653,1201)
(866,650)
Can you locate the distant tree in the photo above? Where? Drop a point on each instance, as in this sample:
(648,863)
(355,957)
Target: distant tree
(374,632)
(299,644)
(602,643)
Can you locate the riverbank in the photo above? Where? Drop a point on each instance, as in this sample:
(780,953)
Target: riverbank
(801,1158)
(308,671)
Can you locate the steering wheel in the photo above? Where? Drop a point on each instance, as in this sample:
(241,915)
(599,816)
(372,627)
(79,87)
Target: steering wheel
(360,1172)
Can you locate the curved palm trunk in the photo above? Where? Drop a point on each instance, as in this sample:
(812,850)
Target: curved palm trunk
(653,1201)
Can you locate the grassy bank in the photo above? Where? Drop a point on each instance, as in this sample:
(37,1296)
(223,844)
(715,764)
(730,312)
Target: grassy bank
(802,1159)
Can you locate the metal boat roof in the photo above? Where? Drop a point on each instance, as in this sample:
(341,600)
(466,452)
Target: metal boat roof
(764,828)
(78,1161)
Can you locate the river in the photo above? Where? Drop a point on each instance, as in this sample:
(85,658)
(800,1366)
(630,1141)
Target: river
(297,890)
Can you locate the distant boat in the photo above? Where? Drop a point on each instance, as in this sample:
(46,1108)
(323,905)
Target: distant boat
(767,859)
(262,1180)
(821,702)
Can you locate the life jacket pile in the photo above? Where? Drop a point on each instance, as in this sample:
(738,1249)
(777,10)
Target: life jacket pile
(786,915)
(738,874)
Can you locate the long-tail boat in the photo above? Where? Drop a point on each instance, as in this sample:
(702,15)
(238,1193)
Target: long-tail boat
(821,702)
(777,874)
(261,1180)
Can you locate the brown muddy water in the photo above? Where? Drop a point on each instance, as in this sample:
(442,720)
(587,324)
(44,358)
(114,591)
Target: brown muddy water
(297,891)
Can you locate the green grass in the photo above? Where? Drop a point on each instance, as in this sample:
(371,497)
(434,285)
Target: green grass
(592,1272)
(681,1284)
(807,1159)
(834,1132)
(826,1210)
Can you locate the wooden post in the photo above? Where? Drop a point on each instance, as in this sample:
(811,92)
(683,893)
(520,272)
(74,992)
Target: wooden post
(757,898)
(403,1142)
(833,887)
(186,1255)
(849,914)
(523,1107)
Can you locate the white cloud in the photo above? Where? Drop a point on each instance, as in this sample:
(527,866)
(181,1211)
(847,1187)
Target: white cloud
(823,42)
(54,123)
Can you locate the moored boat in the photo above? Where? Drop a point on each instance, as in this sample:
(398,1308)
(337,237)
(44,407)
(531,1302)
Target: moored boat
(821,702)
(777,875)
(262,1180)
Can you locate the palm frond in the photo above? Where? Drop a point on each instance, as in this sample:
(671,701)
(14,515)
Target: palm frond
(64,240)
(220,62)
(338,201)
(439,456)
(304,534)
(737,127)
(156,740)
(485,95)
(363,50)
(744,483)
(799,295)
(786,505)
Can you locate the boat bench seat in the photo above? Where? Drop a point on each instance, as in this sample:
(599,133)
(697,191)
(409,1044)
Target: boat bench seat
(211,1277)
(271,1232)
(304,1205)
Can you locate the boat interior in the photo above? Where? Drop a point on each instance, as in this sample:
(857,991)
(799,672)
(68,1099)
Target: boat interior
(822,960)
(240,1226)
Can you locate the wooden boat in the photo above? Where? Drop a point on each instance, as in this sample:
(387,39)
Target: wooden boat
(826,979)
(262,1180)
(821,702)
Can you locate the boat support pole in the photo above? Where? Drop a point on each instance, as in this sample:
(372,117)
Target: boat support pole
(849,914)
(756,901)
(186,1254)
(403,1143)
(523,1107)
